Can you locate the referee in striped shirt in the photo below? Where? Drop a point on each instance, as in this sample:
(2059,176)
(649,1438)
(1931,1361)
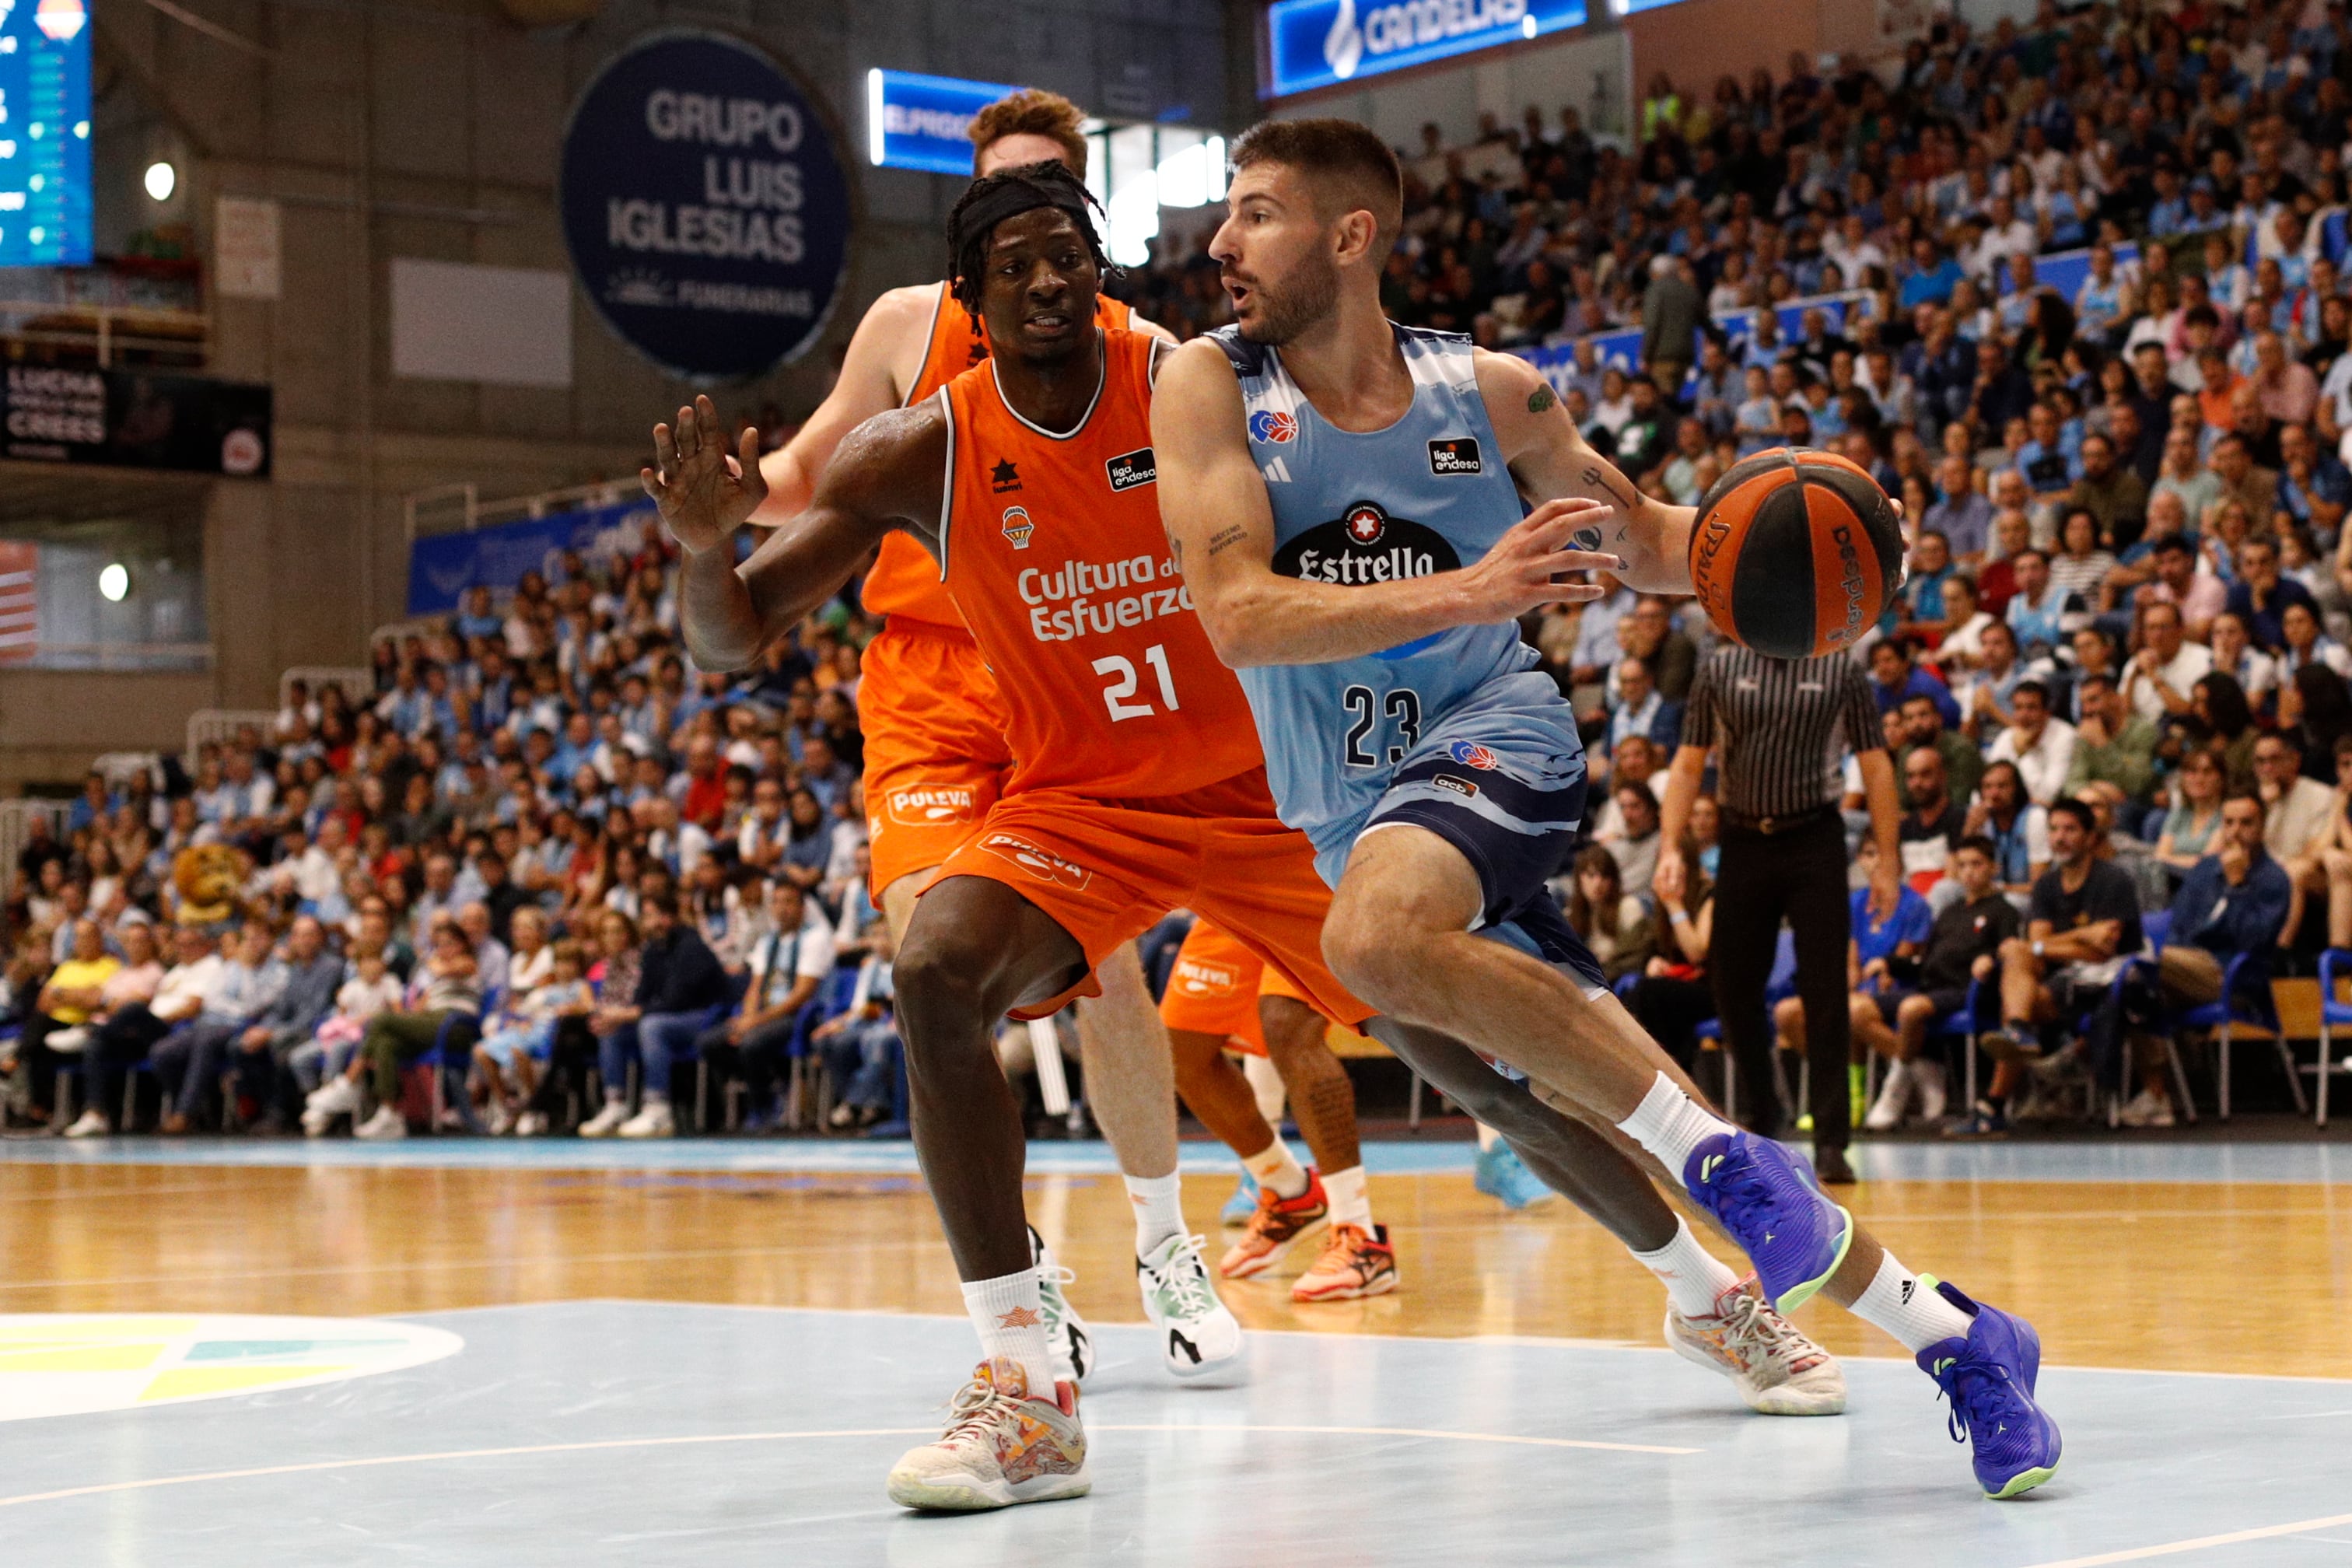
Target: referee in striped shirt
(1782,727)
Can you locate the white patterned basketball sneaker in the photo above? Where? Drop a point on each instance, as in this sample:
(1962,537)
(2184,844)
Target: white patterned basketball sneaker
(1001,1447)
(1198,1337)
(1776,1368)
(1066,1331)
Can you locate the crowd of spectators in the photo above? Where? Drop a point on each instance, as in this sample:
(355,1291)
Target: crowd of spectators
(2125,612)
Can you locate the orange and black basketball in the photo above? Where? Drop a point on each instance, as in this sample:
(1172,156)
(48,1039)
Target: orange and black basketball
(1794,552)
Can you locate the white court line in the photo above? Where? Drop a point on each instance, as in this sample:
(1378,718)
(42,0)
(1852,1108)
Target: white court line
(105,1488)
(2170,1548)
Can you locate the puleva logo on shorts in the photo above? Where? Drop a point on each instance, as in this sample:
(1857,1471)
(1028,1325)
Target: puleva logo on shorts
(1195,978)
(1457,456)
(1038,861)
(1129,470)
(1268,425)
(1471,754)
(1017,526)
(922,805)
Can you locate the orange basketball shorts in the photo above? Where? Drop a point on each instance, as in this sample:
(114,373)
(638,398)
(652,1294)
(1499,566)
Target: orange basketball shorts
(1105,870)
(935,753)
(1215,986)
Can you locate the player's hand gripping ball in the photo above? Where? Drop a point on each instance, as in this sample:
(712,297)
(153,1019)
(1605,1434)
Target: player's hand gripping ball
(1795,553)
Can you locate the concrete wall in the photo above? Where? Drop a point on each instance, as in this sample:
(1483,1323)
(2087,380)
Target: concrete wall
(430,128)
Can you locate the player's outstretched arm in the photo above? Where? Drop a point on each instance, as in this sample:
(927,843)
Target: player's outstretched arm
(894,328)
(888,474)
(1550,460)
(1219,524)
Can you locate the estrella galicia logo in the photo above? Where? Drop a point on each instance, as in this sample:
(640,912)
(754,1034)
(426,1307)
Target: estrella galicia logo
(1471,754)
(1458,455)
(1448,782)
(1269,426)
(1129,470)
(1365,544)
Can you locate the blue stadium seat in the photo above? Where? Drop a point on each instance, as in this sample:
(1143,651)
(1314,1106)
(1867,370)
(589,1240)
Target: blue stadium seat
(2332,1014)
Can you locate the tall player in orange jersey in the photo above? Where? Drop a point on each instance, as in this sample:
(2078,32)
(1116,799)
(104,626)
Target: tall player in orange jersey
(1137,785)
(936,758)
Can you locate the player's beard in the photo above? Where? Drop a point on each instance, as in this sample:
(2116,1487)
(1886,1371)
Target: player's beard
(1308,295)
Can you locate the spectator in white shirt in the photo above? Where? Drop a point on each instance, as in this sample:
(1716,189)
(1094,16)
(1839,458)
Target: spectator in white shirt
(2162,676)
(2298,821)
(2042,746)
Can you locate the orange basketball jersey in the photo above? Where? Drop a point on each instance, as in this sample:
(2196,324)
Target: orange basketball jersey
(1052,547)
(904,580)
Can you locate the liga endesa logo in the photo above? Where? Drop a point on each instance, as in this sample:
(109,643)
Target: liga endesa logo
(1038,861)
(922,805)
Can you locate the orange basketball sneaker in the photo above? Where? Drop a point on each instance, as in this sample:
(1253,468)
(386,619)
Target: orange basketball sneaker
(1003,1445)
(1277,1227)
(1355,1263)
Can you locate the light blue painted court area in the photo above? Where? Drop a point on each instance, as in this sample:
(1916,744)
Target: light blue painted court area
(621,1432)
(2136,1159)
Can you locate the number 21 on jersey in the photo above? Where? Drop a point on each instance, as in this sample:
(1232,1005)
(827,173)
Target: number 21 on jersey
(1117,695)
(1402,708)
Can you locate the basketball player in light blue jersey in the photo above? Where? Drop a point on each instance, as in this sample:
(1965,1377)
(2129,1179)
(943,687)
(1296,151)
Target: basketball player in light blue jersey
(1349,501)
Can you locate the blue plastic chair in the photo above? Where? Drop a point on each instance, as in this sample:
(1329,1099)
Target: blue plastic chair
(2332,1014)
(2332,236)
(2246,998)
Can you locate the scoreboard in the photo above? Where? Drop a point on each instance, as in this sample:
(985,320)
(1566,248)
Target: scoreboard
(45,206)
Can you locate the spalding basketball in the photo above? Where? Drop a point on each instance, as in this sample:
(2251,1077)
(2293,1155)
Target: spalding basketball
(1795,553)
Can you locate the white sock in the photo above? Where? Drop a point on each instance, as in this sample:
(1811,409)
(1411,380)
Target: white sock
(1268,1086)
(1487,1137)
(1351,1203)
(1159,1210)
(1900,1302)
(1694,1278)
(1277,1170)
(1010,1319)
(653,1099)
(1670,1124)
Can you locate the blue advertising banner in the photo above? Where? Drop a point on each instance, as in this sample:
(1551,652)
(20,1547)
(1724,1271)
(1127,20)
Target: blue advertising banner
(442,566)
(45,206)
(1314,43)
(705,206)
(915,121)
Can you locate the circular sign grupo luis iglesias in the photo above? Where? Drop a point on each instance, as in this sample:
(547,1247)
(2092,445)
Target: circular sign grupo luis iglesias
(706,205)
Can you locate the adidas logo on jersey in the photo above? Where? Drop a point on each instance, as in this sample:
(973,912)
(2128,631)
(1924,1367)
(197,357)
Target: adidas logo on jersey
(926,804)
(1457,456)
(1037,860)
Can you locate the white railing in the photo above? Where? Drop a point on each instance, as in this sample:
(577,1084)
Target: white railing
(210,726)
(458,509)
(358,684)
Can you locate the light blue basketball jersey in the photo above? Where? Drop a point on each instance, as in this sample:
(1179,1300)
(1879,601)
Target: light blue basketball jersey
(1428,494)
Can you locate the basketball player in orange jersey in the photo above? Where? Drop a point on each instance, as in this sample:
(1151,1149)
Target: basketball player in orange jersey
(1075,858)
(934,725)
(1137,785)
(1222,996)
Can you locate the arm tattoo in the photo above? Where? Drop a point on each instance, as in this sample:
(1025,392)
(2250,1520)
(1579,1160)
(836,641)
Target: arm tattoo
(1225,537)
(1598,477)
(1540,399)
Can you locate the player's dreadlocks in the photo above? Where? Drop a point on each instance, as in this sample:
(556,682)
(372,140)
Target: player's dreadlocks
(992,198)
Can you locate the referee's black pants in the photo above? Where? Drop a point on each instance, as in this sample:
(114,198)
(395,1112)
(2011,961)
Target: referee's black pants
(1762,880)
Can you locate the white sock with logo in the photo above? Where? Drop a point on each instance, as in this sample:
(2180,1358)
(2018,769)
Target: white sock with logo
(1010,1317)
(1277,1170)
(1159,1203)
(1670,1124)
(1487,1136)
(1351,1203)
(1908,1308)
(1694,1278)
